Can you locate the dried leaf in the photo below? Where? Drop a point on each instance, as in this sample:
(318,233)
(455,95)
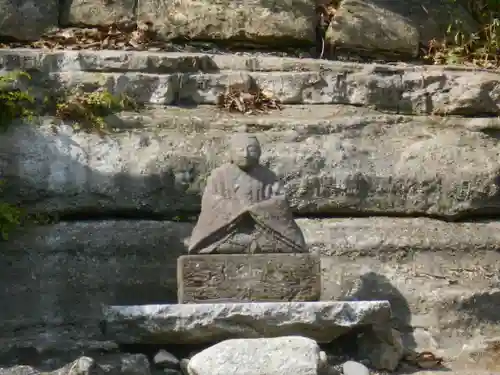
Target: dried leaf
(252,101)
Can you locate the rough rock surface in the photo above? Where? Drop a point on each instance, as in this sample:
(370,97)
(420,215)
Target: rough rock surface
(441,287)
(200,323)
(27,19)
(394,90)
(155,78)
(394,26)
(265,356)
(371,25)
(259,21)
(440,278)
(125,364)
(112,364)
(97,13)
(480,353)
(334,159)
(331,161)
(54,283)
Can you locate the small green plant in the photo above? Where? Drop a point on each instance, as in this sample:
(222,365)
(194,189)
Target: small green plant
(478,49)
(10,217)
(14,103)
(88,109)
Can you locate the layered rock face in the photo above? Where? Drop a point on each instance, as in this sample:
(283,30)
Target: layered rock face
(374,26)
(377,160)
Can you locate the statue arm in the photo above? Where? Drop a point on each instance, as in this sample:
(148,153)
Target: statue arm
(213,189)
(209,219)
(216,194)
(278,188)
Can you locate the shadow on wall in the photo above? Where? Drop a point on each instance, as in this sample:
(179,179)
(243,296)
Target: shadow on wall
(374,286)
(482,306)
(54,278)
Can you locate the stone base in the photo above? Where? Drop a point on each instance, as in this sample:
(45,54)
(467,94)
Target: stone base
(368,323)
(209,323)
(248,277)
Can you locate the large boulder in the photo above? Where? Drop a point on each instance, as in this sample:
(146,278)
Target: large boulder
(264,356)
(396,27)
(97,13)
(265,22)
(27,20)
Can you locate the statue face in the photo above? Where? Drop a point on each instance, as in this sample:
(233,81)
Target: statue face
(246,152)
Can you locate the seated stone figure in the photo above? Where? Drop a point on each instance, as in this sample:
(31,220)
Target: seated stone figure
(244,208)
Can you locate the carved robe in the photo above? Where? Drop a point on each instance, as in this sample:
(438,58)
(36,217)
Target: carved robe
(243,213)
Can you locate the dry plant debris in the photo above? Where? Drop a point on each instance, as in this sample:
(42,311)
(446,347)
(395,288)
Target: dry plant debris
(88,110)
(465,53)
(479,49)
(253,101)
(424,360)
(114,37)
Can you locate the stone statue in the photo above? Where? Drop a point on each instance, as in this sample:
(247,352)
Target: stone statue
(244,208)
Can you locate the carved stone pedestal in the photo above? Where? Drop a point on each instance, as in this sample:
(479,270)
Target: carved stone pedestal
(215,278)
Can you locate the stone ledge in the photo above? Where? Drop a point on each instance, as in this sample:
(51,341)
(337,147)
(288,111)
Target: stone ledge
(208,323)
(437,275)
(328,164)
(164,78)
(172,62)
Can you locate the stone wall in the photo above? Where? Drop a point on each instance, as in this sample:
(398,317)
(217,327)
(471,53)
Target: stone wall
(400,28)
(439,277)
(417,145)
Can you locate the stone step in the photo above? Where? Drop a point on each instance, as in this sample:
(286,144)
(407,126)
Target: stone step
(49,61)
(210,323)
(440,278)
(168,78)
(332,160)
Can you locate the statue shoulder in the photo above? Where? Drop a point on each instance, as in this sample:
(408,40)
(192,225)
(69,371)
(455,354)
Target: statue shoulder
(218,179)
(222,171)
(266,174)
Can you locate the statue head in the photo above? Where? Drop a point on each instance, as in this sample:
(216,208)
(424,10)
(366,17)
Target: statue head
(245,151)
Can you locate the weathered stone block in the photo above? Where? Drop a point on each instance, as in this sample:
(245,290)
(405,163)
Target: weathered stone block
(27,19)
(280,355)
(212,322)
(395,166)
(258,21)
(395,26)
(53,290)
(97,12)
(248,277)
